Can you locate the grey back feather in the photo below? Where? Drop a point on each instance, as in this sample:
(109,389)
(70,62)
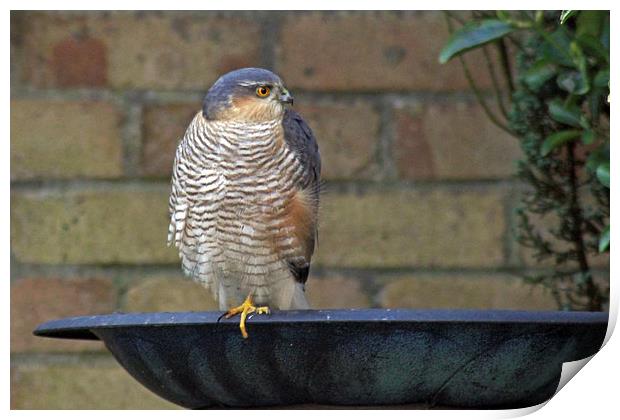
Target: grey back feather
(299,138)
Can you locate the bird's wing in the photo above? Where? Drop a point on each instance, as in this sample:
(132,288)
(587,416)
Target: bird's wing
(301,141)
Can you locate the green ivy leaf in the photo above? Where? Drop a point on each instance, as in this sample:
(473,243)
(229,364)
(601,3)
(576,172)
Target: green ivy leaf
(556,140)
(593,46)
(472,35)
(602,78)
(565,115)
(576,54)
(594,99)
(539,73)
(589,22)
(503,15)
(556,48)
(588,137)
(579,59)
(597,157)
(603,241)
(573,82)
(602,173)
(566,14)
(605,33)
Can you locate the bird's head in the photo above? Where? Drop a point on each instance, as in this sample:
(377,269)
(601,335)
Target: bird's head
(249,94)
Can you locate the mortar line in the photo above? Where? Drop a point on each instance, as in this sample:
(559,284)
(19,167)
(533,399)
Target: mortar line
(154,95)
(43,358)
(173,269)
(270,39)
(333,186)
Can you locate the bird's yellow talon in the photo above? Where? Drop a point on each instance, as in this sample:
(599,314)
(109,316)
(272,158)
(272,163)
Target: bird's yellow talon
(245,309)
(263,310)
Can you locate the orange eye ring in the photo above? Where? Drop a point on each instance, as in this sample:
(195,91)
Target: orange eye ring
(263,91)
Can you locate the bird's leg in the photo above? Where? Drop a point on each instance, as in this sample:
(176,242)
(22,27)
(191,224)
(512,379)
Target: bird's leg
(245,309)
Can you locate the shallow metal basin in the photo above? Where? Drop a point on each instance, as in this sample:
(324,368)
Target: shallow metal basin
(456,358)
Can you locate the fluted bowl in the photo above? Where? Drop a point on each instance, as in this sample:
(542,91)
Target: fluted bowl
(456,358)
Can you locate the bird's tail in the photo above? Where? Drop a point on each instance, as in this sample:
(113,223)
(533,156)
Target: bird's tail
(292,296)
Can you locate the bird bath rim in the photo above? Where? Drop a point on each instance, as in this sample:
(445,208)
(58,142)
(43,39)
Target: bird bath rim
(79,327)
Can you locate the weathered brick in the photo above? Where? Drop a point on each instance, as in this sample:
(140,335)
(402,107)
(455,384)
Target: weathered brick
(79,387)
(16,48)
(53,139)
(440,228)
(464,291)
(163,127)
(370,51)
(136,49)
(336,291)
(454,140)
(347,137)
(89,227)
(80,61)
(164,294)
(36,300)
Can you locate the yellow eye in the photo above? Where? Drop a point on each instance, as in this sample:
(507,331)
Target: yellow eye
(262,91)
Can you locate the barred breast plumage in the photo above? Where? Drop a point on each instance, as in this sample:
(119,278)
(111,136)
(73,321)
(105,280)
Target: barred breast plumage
(237,192)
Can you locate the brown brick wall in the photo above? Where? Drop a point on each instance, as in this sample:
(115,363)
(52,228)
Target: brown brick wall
(65,139)
(418,184)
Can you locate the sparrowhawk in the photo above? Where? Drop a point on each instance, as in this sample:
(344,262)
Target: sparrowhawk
(245,195)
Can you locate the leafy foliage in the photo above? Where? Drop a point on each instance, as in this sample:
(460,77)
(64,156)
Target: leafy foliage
(473,35)
(558,107)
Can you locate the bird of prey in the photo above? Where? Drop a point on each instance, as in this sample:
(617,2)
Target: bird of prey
(245,195)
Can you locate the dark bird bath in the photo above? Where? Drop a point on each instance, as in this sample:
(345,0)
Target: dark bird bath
(457,358)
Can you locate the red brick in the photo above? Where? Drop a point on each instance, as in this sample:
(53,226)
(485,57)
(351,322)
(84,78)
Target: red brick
(454,140)
(80,62)
(36,300)
(146,50)
(163,127)
(368,51)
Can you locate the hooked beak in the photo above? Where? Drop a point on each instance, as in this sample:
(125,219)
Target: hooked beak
(286,97)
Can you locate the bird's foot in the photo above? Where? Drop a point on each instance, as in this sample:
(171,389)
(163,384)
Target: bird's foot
(245,309)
